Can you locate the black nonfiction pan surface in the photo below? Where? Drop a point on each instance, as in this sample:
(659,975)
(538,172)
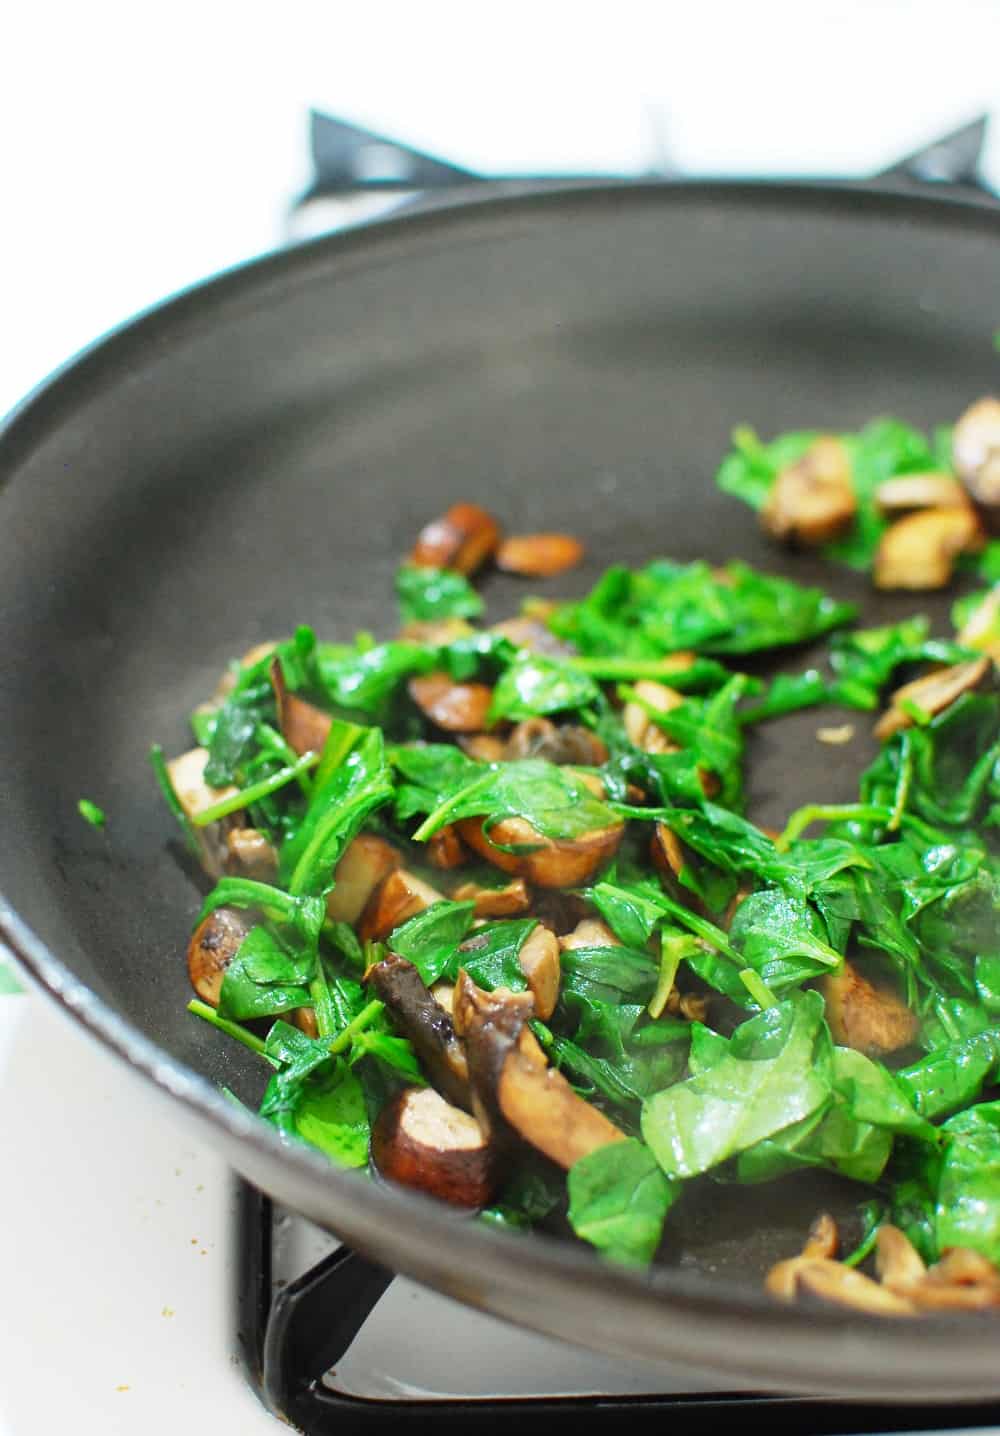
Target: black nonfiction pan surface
(260,453)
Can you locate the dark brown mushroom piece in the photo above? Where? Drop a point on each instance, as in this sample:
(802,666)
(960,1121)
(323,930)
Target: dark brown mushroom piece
(904,492)
(666,852)
(932,693)
(511,900)
(918,552)
(539,555)
(563,744)
(553,862)
(213,945)
(871,1018)
(462,539)
(366,862)
(812,500)
(304,727)
(422,1018)
(975,448)
(398,896)
(251,855)
(187,776)
(423,1142)
(513,1084)
(455,707)
(484,747)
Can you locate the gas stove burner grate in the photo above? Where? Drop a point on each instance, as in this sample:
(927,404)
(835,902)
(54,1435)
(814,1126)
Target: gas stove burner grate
(291,1334)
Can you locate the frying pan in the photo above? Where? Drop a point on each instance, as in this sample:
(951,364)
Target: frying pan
(260,451)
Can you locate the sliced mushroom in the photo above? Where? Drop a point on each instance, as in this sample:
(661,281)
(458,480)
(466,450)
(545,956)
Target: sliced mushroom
(591,932)
(640,728)
(566,743)
(554,862)
(187,775)
(539,555)
(455,707)
(445,849)
(251,855)
(400,895)
(897,1262)
(511,1080)
(666,852)
(919,491)
(462,539)
(873,1020)
(214,943)
(422,1141)
(443,994)
(512,900)
(836,1283)
(532,634)
(982,629)
(539,961)
(436,632)
(932,693)
(421,1018)
(366,862)
(484,747)
(918,552)
(975,450)
(812,500)
(303,726)
(305,1020)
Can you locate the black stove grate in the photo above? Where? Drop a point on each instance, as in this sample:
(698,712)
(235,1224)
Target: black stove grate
(290,1336)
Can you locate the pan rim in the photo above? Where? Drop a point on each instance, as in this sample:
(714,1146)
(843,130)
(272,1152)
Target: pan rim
(682,1295)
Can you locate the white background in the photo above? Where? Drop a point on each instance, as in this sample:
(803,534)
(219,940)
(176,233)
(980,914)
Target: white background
(147,146)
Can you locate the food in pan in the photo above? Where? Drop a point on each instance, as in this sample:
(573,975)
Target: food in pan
(488,903)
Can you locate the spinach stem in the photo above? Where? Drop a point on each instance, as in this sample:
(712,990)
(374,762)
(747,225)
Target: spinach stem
(232,1029)
(829,813)
(364,1018)
(758,988)
(255,791)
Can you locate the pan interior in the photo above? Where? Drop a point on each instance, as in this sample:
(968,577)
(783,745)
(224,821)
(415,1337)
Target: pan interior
(262,454)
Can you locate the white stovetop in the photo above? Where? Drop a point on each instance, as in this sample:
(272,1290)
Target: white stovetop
(143,154)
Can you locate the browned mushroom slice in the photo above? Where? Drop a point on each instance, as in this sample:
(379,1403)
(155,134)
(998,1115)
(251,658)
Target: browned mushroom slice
(539,961)
(463,539)
(398,896)
(443,994)
(251,855)
(554,862)
(666,853)
(812,500)
(897,1262)
(563,744)
(422,1141)
(975,448)
(982,628)
(512,900)
(305,1020)
(919,491)
(836,1283)
(918,552)
(187,775)
(214,943)
(365,863)
(421,1018)
(304,726)
(484,747)
(531,633)
(510,1078)
(455,707)
(871,1019)
(445,849)
(591,932)
(435,633)
(640,728)
(539,555)
(932,693)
